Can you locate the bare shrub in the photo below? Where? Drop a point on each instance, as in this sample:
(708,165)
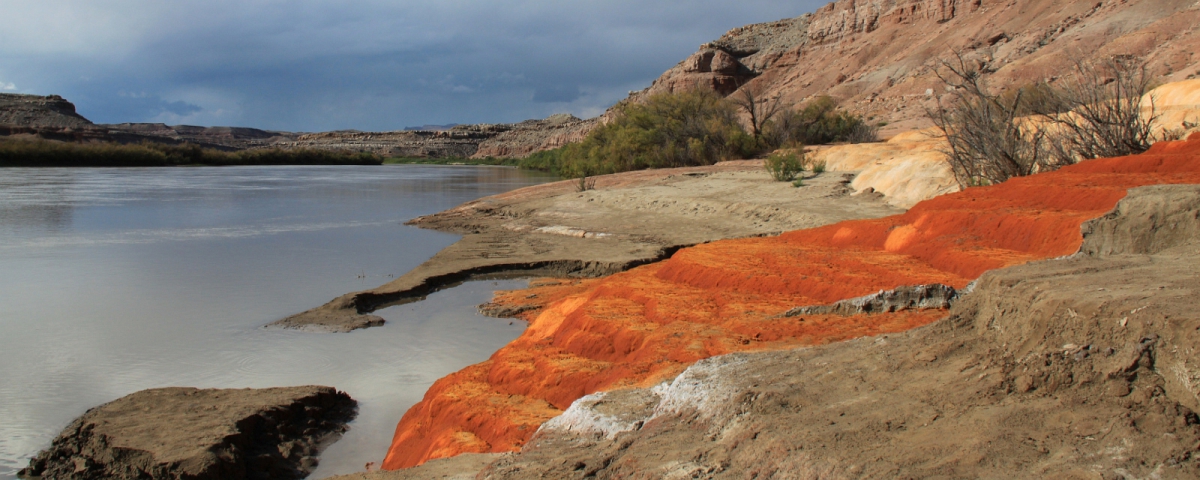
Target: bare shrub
(760,108)
(986,143)
(1094,112)
(1103,118)
(863,132)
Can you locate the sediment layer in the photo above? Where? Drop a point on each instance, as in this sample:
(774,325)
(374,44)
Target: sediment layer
(648,324)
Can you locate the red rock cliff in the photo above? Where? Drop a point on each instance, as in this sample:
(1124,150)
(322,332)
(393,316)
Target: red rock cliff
(647,324)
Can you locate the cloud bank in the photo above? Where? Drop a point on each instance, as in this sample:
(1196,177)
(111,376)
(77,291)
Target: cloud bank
(309,65)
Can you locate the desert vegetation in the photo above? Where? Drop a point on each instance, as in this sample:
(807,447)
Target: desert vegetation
(670,130)
(784,166)
(700,128)
(1095,111)
(45,153)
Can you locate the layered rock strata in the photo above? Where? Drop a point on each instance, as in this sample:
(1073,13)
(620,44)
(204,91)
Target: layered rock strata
(39,112)
(642,326)
(170,433)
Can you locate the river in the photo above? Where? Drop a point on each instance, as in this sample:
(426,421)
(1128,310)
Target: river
(118,280)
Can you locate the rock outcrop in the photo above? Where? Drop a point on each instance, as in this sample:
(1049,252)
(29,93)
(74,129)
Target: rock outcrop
(35,111)
(640,327)
(170,433)
(879,57)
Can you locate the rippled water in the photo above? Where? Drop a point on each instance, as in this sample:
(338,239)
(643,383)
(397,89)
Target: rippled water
(117,280)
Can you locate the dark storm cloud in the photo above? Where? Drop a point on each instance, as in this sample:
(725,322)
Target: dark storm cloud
(368,65)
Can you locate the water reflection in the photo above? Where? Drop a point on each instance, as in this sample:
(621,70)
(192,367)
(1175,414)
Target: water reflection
(116,280)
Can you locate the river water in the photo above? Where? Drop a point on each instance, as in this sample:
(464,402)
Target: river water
(117,280)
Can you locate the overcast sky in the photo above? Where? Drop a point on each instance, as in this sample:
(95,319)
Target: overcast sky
(366,64)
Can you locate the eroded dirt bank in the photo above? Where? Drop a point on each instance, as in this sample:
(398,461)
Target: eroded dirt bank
(640,327)
(629,219)
(199,434)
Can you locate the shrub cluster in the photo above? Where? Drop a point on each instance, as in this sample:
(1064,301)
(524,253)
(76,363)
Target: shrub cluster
(44,153)
(784,166)
(668,130)
(1094,112)
(698,128)
(818,122)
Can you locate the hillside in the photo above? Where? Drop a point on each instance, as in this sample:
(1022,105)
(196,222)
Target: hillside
(879,57)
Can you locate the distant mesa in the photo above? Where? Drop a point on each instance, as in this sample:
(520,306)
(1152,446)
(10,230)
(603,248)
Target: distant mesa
(432,128)
(39,112)
(54,118)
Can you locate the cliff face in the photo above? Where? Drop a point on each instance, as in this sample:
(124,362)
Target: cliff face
(647,324)
(879,57)
(39,112)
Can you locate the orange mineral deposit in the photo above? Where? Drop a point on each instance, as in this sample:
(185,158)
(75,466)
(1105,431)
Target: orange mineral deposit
(646,325)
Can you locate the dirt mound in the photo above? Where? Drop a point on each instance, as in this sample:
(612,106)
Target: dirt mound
(199,434)
(1082,367)
(639,327)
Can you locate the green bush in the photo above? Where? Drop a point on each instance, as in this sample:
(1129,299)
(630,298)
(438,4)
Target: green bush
(784,167)
(668,130)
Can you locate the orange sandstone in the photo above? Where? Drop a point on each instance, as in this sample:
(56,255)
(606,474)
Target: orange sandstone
(645,325)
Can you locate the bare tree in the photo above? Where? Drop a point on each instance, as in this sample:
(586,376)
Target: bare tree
(986,141)
(757,106)
(1103,115)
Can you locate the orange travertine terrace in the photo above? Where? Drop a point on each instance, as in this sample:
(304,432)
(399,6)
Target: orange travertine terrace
(646,325)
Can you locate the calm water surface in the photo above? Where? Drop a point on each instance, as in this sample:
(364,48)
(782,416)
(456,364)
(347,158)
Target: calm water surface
(117,280)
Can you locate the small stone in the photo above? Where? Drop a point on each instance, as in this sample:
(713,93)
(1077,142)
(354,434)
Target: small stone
(1023,383)
(1118,389)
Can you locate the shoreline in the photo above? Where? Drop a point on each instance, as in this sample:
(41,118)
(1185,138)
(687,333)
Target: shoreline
(628,219)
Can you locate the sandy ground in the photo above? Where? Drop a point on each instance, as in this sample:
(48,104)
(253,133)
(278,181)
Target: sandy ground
(627,220)
(1081,367)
